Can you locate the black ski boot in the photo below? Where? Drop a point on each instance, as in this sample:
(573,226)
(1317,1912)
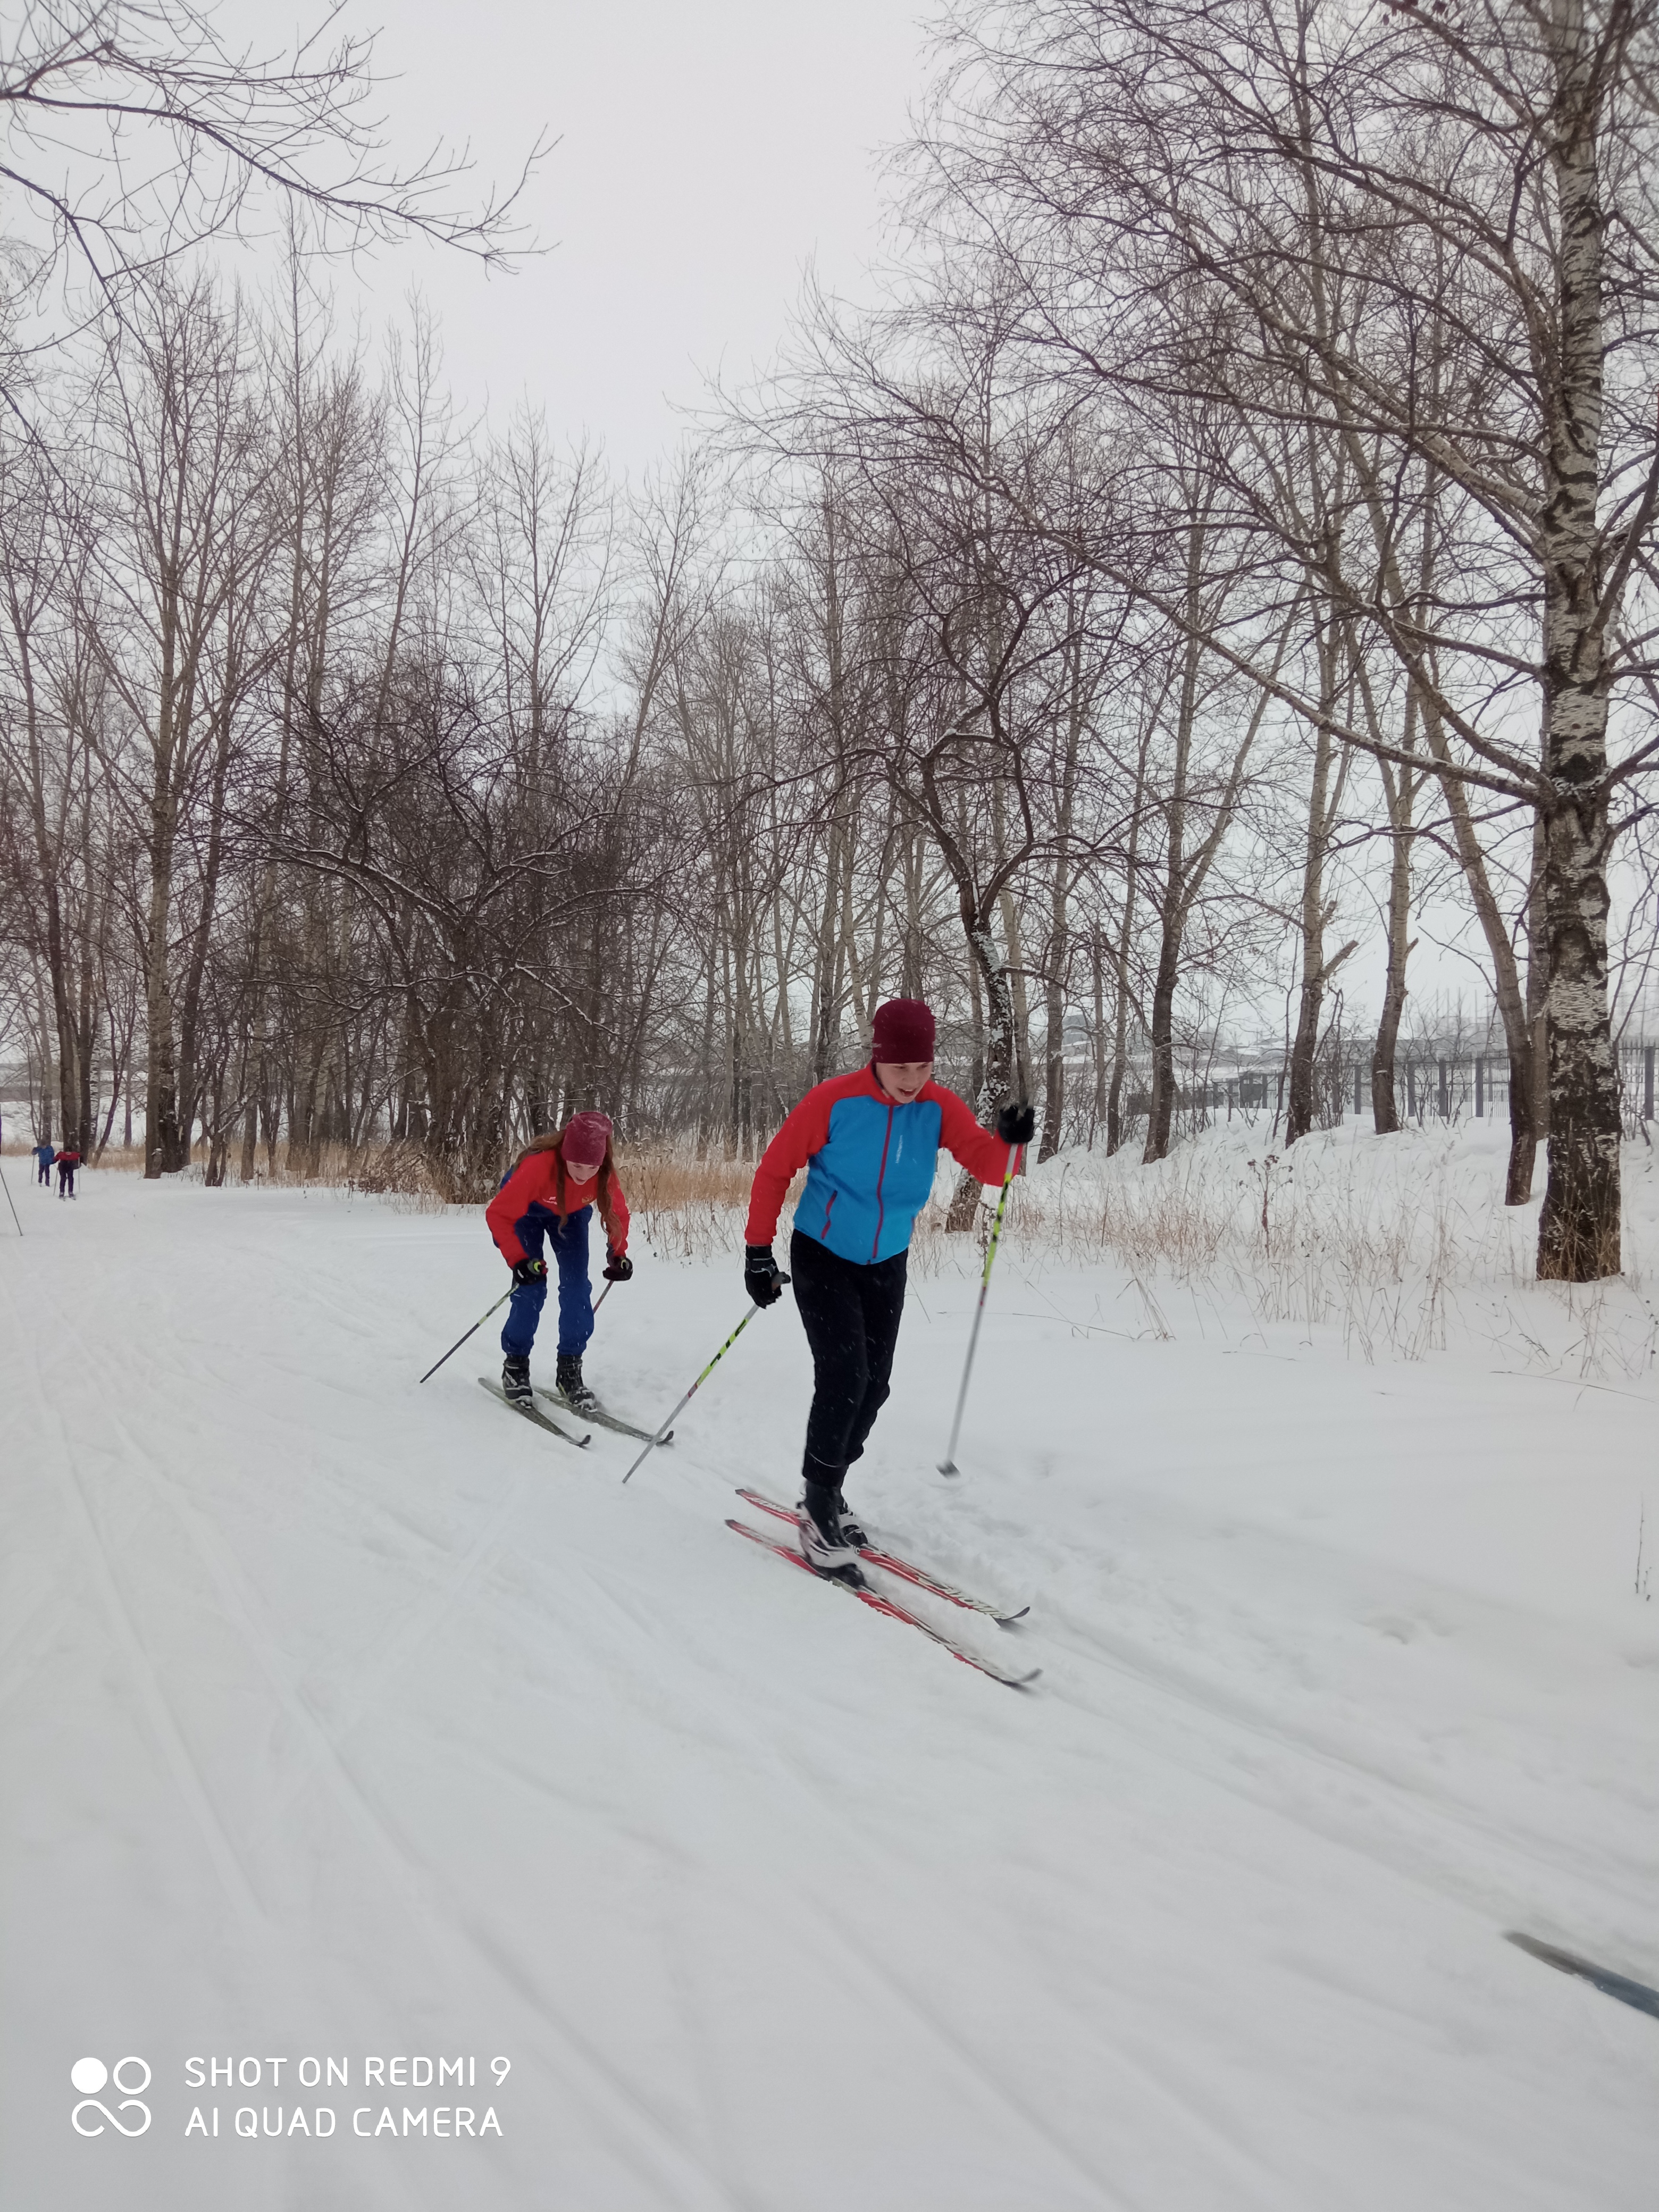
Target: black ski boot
(515,1382)
(823,1541)
(851,1526)
(575,1392)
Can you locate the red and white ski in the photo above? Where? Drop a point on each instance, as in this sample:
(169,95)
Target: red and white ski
(874,1599)
(873,1556)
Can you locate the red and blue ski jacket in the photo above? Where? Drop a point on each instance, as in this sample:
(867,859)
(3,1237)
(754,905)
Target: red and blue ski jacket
(527,1205)
(871,1164)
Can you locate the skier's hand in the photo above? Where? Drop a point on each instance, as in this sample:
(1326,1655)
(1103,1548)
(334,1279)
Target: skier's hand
(1016,1125)
(618,1267)
(760,1276)
(530,1271)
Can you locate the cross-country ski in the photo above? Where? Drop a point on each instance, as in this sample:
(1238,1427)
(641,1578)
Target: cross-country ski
(600,1415)
(531,1413)
(875,1555)
(849,1579)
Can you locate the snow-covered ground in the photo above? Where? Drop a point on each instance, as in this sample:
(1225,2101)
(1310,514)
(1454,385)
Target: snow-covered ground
(343,1719)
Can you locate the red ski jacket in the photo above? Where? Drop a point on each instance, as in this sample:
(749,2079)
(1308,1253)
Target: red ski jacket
(527,1205)
(872,1164)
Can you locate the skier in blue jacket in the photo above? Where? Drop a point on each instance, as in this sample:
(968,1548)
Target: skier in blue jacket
(873,1140)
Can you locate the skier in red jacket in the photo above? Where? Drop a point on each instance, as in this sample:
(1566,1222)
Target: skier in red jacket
(873,1141)
(66,1163)
(551,1191)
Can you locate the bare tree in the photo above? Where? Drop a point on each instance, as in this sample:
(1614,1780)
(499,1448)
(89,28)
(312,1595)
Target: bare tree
(181,529)
(134,132)
(1481,173)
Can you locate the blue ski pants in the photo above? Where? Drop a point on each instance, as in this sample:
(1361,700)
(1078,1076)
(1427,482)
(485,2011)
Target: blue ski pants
(569,1250)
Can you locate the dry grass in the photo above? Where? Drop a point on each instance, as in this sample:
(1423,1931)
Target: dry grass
(1301,1225)
(667,1182)
(685,1207)
(123,1159)
(397,1172)
(1400,1251)
(693,1205)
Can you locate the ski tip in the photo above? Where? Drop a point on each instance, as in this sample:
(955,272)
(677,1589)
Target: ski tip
(1007,1619)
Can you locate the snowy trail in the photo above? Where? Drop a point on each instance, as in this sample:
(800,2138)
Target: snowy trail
(1345,1788)
(359,1718)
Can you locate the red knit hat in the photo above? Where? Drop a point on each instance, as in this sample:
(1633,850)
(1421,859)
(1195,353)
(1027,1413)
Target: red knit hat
(585,1139)
(902,1030)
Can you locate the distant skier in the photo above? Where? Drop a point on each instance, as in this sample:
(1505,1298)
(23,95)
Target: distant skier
(66,1163)
(44,1154)
(551,1191)
(873,1140)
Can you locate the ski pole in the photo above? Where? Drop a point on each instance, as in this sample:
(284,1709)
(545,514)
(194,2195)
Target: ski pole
(8,1186)
(948,1464)
(696,1387)
(473,1331)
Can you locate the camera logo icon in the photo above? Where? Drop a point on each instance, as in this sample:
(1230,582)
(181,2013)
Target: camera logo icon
(89,2076)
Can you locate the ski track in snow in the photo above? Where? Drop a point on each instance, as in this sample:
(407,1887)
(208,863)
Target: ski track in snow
(1463,1832)
(675,2175)
(361,1717)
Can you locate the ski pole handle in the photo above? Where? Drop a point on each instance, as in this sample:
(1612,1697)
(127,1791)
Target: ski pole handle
(473,1331)
(948,1464)
(995,1237)
(693,1391)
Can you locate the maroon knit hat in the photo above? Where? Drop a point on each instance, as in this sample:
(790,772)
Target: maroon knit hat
(585,1139)
(903,1030)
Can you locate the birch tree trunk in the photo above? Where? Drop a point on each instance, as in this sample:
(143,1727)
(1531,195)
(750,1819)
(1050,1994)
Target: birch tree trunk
(1578,1230)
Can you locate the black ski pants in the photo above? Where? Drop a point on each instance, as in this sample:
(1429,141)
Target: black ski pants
(851,1316)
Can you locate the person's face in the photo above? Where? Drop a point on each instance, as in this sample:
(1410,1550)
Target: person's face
(581,1170)
(904,1080)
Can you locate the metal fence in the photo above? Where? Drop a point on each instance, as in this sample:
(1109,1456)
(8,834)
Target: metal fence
(1449,1086)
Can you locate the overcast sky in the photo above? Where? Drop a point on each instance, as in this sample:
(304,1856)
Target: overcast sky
(706,154)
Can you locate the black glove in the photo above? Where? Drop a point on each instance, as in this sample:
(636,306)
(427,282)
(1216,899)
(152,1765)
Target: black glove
(760,1276)
(530,1271)
(618,1267)
(1016,1125)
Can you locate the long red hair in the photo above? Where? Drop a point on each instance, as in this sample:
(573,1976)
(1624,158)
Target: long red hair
(552,1141)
